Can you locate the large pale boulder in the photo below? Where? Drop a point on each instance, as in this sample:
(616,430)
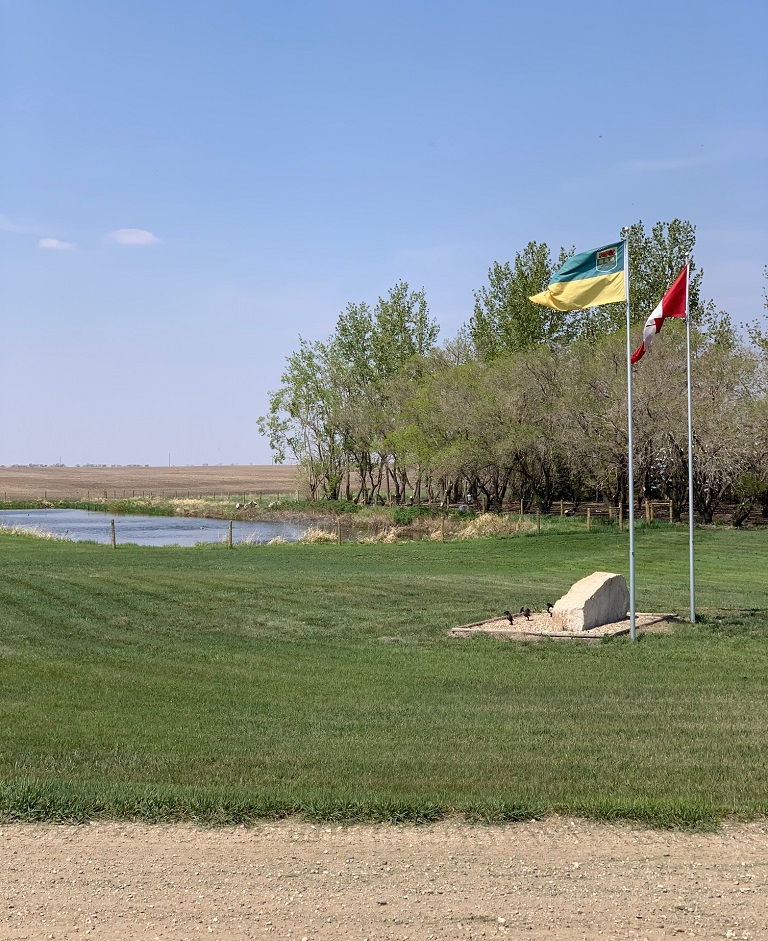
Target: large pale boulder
(600,598)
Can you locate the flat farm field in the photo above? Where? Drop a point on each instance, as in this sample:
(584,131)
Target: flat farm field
(78,483)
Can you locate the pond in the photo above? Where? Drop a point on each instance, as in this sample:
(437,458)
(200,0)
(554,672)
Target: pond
(79,525)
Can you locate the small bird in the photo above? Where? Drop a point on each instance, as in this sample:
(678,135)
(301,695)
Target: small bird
(509,617)
(549,608)
(526,613)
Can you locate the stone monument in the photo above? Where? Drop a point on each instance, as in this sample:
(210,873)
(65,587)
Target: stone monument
(600,598)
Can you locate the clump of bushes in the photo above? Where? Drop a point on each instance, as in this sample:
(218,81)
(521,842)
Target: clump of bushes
(315,535)
(492,524)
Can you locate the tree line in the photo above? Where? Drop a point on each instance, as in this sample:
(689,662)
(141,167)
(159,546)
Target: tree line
(530,404)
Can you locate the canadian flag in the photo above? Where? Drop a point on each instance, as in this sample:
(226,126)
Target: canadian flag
(673,304)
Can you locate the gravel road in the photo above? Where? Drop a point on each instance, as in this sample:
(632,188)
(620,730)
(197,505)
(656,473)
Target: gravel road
(555,878)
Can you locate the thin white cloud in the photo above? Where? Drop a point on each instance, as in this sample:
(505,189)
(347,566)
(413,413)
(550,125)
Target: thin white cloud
(10,225)
(132,237)
(57,245)
(671,163)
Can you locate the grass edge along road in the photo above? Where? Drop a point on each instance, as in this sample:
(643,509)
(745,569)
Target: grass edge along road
(225,685)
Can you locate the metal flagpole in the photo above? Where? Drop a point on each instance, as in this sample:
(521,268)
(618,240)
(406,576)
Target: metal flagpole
(630,466)
(690,439)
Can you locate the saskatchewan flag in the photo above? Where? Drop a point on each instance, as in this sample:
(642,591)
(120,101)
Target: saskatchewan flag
(586,280)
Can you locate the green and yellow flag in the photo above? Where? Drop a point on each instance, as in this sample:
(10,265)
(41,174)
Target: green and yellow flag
(586,280)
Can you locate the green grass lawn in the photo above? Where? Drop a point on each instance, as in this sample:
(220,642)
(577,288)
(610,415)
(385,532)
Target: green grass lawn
(223,685)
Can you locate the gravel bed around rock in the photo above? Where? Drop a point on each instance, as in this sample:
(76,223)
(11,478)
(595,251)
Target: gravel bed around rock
(539,625)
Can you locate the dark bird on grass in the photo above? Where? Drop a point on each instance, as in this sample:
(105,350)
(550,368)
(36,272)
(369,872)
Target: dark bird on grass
(549,608)
(509,617)
(526,613)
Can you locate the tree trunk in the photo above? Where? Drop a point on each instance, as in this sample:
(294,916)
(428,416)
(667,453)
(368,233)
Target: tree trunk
(742,511)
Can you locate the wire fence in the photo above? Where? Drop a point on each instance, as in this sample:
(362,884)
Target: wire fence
(646,510)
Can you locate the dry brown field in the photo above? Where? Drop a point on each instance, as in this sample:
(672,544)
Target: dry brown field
(80,483)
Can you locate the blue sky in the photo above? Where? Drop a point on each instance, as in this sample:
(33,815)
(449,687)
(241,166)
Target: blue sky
(187,188)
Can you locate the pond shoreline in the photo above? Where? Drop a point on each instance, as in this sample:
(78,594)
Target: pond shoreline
(105,527)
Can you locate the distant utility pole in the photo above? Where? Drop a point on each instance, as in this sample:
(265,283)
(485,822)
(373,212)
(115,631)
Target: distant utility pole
(169,459)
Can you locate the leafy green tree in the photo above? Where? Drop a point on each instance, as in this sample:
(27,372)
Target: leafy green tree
(488,429)
(403,330)
(730,437)
(336,406)
(595,393)
(504,319)
(381,350)
(304,420)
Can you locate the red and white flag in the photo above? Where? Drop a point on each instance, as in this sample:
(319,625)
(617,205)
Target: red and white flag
(673,304)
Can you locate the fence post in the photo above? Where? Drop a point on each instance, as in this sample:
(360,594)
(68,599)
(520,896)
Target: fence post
(651,512)
(229,540)
(670,511)
(621,514)
(442,527)
(647,513)
(588,518)
(338,530)
(114,540)
(538,521)
(561,508)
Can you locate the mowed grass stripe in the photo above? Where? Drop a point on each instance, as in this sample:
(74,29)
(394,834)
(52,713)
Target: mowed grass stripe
(221,685)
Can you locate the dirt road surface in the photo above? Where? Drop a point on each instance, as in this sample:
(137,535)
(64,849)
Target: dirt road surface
(556,878)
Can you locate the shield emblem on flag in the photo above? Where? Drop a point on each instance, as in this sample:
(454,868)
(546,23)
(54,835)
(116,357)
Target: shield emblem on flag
(607,259)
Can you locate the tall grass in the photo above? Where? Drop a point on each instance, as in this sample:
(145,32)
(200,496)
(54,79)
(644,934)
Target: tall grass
(223,685)
(36,531)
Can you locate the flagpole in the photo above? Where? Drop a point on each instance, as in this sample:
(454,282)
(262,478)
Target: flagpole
(630,466)
(690,441)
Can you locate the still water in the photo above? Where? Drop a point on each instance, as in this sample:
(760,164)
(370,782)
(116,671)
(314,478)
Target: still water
(79,525)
